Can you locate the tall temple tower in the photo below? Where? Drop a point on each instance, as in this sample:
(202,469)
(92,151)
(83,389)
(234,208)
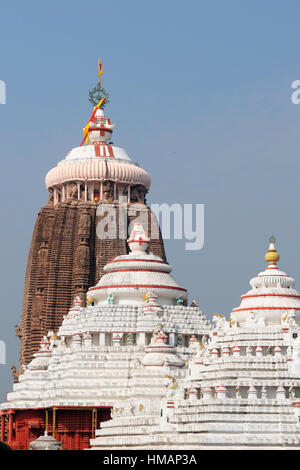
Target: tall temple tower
(66,255)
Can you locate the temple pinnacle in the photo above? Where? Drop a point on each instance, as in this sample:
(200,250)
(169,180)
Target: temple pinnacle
(272,256)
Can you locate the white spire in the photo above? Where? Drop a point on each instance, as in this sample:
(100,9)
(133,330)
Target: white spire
(138,241)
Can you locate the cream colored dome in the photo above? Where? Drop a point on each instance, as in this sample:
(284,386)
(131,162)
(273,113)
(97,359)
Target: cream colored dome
(97,169)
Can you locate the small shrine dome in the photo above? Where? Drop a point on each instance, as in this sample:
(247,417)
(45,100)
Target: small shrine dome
(129,277)
(272,296)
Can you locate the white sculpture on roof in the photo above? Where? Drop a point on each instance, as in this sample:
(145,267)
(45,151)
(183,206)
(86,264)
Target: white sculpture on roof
(130,277)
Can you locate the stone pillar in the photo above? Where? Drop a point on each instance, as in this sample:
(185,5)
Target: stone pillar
(252,393)
(102,339)
(236,351)
(10,426)
(91,191)
(76,343)
(214,353)
(53,421)
(277,351)
(207,392)
(280,393)
(289,354)
(2,427)
(225,352)
(167,410)
(77,440)
(85,192)
(141,341)
(46,421)
(55,196)
(172,339)
(221,392)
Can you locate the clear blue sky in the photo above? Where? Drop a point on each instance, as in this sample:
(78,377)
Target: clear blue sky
(200,92)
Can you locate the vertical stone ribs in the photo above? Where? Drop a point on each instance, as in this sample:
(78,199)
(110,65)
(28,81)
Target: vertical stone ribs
(108,248)
(84,245)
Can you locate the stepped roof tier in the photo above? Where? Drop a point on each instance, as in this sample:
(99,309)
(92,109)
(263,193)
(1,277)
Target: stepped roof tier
(101,352)
(130,277)
(272,295)
(241,391)
(98,161)
(98,359)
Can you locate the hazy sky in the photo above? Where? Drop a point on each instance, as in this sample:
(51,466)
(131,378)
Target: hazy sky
(201,95)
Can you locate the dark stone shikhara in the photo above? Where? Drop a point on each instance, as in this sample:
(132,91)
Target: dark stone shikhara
(66,255)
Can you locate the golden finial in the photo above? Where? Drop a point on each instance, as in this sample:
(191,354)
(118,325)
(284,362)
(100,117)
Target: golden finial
(272,256)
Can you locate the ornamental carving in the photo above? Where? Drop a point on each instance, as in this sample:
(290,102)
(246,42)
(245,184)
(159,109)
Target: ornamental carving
(137,194)
(51,197)
(15,373)
(73,191)
(108,191)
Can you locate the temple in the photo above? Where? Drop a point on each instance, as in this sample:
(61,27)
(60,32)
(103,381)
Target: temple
(66,255)
(97,358)
(113,356)
(137,368)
